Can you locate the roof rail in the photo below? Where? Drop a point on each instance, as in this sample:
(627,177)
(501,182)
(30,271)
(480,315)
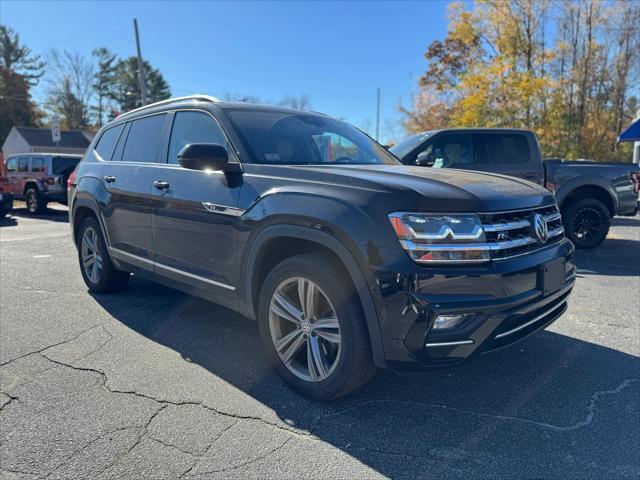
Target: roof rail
(203,98)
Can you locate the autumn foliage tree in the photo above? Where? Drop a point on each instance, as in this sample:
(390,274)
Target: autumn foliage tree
(569,69)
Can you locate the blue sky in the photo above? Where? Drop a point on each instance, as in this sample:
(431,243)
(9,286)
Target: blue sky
(337,53)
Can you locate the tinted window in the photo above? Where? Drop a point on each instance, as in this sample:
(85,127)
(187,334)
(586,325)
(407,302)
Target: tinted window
(277,137)
(107,142)
(11,164)
(408,144)
(23,164)
(193,127)
(37,164)
(501,149)
(143,141)
(64,165)
(451,151)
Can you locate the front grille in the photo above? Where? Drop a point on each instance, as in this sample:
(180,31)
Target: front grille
(509,234)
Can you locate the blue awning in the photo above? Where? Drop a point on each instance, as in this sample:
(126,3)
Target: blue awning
(631,134)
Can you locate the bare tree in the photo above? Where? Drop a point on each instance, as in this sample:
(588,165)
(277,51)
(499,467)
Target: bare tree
(70,80)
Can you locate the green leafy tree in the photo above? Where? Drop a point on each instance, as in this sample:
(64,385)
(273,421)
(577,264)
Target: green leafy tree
(18,58)
(104,83)
(19,71)
(127,84)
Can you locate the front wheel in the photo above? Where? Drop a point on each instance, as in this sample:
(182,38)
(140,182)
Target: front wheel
(586,222)
(312,324)
(96,267)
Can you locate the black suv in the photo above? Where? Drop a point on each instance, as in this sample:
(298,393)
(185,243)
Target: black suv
(348,259)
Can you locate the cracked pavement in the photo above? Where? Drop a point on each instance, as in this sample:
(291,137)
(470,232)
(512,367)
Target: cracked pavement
(152,383)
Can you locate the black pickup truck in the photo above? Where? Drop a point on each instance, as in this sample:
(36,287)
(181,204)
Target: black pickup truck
(589,194)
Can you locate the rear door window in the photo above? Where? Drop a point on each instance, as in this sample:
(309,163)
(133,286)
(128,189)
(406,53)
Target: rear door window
(37,164)
(143,141)
(23,164)
(107,142)
(501,149)
(64,165)
(11,164)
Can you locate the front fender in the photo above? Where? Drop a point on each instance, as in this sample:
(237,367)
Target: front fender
(360,278)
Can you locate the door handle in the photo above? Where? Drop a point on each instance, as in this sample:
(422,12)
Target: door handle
(109,178)
(160,185)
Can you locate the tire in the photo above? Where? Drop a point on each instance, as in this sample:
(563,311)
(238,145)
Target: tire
(99,275)
(586,222)
(348,365)
(36,203)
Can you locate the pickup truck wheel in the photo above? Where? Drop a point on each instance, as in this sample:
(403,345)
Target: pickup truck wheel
(36,203)
(313,328)
(586,222)
(96,267)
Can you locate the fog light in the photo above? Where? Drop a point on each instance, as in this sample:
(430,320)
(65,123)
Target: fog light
(449,321)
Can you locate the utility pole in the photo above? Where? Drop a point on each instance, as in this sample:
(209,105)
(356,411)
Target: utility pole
(378,115)
(143,82)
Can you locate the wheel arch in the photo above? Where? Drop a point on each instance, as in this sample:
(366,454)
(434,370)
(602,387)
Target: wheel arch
(266,251)
(31,183)
(588,187)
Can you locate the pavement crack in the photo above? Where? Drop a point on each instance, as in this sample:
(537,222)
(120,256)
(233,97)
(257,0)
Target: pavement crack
(51,346)
(7,402)
(243,464)
(145,428)
(88,444)
(171,445)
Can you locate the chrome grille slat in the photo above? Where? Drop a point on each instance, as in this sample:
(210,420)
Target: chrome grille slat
(509,233)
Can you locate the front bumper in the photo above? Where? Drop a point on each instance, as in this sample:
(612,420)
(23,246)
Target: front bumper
(505,302)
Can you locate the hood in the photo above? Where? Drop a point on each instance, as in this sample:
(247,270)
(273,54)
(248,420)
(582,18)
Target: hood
(447,188)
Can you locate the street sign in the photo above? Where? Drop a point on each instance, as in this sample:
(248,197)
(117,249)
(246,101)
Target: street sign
(55,130)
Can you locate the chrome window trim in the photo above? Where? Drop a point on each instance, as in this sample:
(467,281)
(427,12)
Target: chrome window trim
(117,252)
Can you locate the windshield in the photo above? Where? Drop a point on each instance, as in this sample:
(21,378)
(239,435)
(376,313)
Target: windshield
(408,144)
(64,165)
(282,138)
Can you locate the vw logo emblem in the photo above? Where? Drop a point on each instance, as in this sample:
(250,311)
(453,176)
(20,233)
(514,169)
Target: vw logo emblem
(540,227)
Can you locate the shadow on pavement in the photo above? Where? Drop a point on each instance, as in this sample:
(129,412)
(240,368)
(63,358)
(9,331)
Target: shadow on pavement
(51,215)
(616,256)
(551,407)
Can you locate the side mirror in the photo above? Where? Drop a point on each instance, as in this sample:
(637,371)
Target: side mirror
(204,156)
(425,159)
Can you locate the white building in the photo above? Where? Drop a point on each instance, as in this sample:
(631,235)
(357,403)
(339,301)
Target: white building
(38,140)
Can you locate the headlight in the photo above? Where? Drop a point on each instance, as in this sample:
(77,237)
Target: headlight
(441,238)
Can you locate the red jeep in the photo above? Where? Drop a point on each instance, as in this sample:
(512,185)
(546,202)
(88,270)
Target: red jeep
(39,178)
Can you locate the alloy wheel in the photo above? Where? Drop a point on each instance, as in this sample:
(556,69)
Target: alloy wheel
(587,223)
(32,202)
(304,329)
(91,255)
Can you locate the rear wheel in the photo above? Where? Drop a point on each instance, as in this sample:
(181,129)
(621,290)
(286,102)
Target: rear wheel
(313,328)
(96,267)
(586,222)
(36,203)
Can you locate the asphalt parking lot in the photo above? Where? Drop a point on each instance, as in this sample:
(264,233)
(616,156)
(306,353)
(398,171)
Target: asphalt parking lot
(152,383)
